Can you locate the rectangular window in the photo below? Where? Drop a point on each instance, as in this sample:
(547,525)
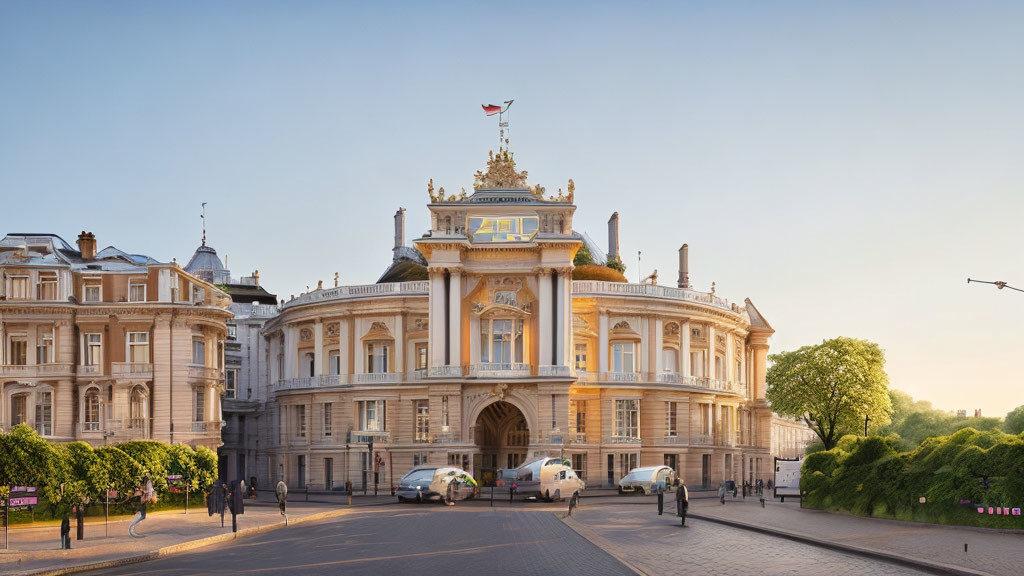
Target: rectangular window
(137,291)
(372,415)
(93,349)
(231,383)
(668,360)
(232,332)
(19,409)
(627,462)
(300,420)
(421,356)
(199,407)
(581,357)
(422,408)
(579,465)
(92,293)
(328,420)
(19,288)
(47,287)
(671,420)
(138,347)
(623,359)
(502,337)
(377,358)
(580,407)
(19,350)
(198,351)
(44,348)
(92,411)
(444,414)
(334,363)
(627,418)
(419,458)
(198,294)
(44,413)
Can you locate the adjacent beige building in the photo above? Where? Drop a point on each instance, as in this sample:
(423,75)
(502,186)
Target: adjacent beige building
(106,346)
(477,348)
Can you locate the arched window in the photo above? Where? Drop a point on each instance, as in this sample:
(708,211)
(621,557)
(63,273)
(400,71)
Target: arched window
(91,418)
(138,408)
(501,340)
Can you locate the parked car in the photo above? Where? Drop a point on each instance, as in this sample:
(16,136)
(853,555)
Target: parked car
(446,484)
(643,480)
(548,478)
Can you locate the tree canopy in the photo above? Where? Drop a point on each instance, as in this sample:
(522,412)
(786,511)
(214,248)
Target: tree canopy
(831,386)
(916,420)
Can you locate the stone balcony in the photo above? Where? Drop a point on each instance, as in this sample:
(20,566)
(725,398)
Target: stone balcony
(89,370)
(50,370)
(364,436)
(198,372)
(500,370)
(213,426)
(131,370)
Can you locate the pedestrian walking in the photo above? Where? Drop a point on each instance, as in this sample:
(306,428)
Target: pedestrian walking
(682,502)
(660,489)
(770,488)
(733,488)
(146,495)
(282,499)
(65,533)
(252,487)
(721,493)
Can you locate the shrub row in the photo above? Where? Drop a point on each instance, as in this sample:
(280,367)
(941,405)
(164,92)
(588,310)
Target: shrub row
(955,474)
(75,474)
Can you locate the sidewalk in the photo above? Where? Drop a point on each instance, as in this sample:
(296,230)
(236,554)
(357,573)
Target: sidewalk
(35,549)
(988,551)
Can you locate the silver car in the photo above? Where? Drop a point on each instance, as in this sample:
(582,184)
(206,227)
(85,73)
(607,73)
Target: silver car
(643,480)
(446,484)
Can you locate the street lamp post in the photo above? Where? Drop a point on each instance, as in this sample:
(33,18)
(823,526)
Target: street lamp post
(866,420)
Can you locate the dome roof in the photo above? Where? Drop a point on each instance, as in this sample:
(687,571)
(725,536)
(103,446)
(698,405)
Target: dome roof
(206,265)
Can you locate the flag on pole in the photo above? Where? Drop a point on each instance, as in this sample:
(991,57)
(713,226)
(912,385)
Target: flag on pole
(491,109)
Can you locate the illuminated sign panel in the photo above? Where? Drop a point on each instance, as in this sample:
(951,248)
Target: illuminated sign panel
(504,229)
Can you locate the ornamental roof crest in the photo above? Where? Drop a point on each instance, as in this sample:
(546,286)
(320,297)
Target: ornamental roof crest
(501,173)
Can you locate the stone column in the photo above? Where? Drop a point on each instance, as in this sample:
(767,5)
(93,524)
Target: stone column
(455,318)
(602,342)
(684,348)
(437,319)
(400,344)
(318,348)
(760,349)
(728,372)
(709,361)
(545,318)
(658,334)
(291,364)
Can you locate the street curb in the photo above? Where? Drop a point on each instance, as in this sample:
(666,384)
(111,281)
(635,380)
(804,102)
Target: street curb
(934,567)
(186,546)
(599,541)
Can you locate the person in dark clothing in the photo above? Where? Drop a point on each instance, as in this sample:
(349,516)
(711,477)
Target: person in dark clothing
(79,522)
(682,502)
(252,486)
(65,533)
(660,489)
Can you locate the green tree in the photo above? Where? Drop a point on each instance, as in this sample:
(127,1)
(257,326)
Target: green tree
(583,256)
(206,466)
(616,264)
(914,421)
(831,386)
(1014,422)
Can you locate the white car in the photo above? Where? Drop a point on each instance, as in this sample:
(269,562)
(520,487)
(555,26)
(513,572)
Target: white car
(643,480)
(548,478)
(446,484)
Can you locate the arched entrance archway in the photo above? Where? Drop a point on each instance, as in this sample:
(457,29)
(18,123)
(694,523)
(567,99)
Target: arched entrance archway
(502,438)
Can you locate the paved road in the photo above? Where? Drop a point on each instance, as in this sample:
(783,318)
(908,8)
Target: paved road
(427,539)
(659,545)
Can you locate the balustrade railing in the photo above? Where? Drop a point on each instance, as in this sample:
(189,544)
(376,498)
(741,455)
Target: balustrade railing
(445,372)
(199,371)
(368,290)
(554,371)
(377,378)
(499,370)
(211,426)
(622,439)
(364,436)
(89,370)
(648,290)
(701,440)
(131,369)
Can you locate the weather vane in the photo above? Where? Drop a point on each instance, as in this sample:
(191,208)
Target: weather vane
(503,130)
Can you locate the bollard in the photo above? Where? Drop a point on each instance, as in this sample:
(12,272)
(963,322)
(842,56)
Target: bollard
(492,496)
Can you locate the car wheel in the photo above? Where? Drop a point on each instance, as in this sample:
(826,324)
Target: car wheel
(620,490)
(547,495)
(640,491)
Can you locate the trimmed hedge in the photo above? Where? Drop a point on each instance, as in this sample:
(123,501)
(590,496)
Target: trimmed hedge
(595,272)
(955,474)
(75,474)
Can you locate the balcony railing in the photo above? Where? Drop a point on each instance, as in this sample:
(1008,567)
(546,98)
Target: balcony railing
(364,436)
(131,369)
(36,370)
(554,371)
(663,378)
(435,438)
(212,426)
(90,370)
(701,440)
(377,378)
(579,437)
(499,370)
(622,439)
(200,372)
(445,372)
(418,288)
(671,439)
(649,291)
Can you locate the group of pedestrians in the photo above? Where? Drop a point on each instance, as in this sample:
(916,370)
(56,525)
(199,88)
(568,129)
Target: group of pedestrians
(682,499)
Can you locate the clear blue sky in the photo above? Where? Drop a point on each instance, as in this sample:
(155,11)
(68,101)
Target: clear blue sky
(845,165)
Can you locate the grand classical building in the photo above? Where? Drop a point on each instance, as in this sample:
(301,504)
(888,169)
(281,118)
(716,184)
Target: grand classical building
(105,346)
(478,348)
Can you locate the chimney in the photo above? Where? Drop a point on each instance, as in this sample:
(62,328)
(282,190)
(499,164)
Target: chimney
(613,236)
(256,277)
(684,267)
(87,245)
(399,229)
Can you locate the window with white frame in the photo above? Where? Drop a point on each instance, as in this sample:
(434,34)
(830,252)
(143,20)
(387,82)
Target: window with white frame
(627,418)
(44,413)
(581,357)
(44,347)
(419,458)
(377,357)
(199,351)
(300,420)
(92,292)
(372,415)
(136,290)
(669,361)
(138,408)
(46,289)
(624,357)
(334,363)
(18,288)
(422,410)
(232,332)
(18,350)
(671,419)
(198,405)
(231,383)
(19,409)
(138,347)
(501,341)
(93,353)
(328,419)
(421,356)
(91,419)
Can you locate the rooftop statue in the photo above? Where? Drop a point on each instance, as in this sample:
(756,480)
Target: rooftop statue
(501,173)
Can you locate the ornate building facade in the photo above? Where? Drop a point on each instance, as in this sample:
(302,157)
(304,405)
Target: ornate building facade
(498,356)
(108,346)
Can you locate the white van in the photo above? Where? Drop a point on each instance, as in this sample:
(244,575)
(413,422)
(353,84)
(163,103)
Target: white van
(548,478)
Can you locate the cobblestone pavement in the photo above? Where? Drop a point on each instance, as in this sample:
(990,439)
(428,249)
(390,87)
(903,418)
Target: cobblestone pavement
(659,545)
(407,539)
(993,551)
